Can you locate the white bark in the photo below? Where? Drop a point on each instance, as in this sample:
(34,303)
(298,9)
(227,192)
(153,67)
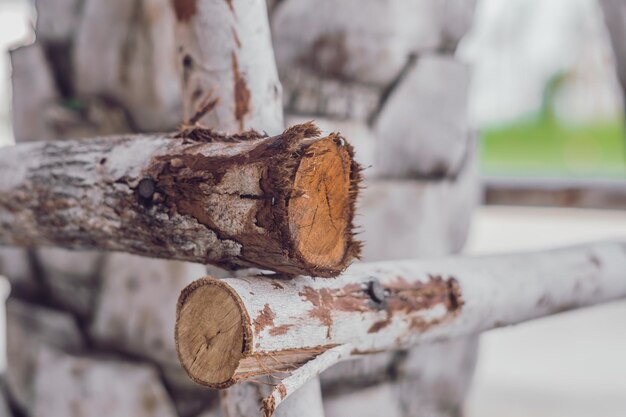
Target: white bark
(367,41)
(33,90)
(68,385)
(126,50)
(423,128)
(306,402)
(423,217)
(225,53)
(57,19)
(288,323)
(312,96)
(30,329)
(374,401)
(403,219)
(136,307)
(92,117)
(72,278)
(16,266)
(221,200)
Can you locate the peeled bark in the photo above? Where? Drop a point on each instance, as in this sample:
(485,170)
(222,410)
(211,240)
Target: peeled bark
(237,329)
(227,63)
(283,203)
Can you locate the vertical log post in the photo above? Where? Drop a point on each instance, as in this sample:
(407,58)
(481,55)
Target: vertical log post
(230,83)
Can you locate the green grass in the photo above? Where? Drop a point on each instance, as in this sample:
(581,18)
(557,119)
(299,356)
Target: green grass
(543,146)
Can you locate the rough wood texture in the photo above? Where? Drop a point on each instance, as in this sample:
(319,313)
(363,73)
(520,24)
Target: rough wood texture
(230,82)
(226,54)
(423,128)
(407,218)
(263,326)
(29,329)
(125,50)
(235,201)
(68,385)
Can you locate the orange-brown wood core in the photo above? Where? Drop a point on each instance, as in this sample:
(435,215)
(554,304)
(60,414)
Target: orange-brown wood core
(319,211)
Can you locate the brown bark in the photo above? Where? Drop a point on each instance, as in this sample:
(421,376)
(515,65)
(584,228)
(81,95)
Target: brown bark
(283,203)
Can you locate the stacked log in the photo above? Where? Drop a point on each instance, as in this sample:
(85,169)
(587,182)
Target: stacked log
(96,68)
(385,74)
(100,67)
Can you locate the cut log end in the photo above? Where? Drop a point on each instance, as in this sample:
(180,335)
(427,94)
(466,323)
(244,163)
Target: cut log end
(320,213)
(211,337)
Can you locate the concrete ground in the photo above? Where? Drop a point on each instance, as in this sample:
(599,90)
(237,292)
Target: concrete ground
(571,365)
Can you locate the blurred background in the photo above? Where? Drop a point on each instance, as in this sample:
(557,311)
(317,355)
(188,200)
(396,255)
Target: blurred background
(546,100)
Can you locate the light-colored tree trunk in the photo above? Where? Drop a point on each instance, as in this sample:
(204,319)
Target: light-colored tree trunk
(227,61)
(97,68)
(255,326)
(235,201)
(384,73)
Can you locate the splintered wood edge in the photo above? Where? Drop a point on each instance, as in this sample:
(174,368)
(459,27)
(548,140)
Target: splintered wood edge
(321,209)
(212,332)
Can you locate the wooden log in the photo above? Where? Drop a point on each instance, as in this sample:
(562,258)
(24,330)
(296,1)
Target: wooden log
(135,311)
(309,95)
(70,385)
(406,219)
(423,128)
(33,89)
(245,94)
(30,329)
(236,201)
(256,327)
(227,62)
(126,51)
(57,20)
(71,279)
(16,265)
(367,41)
(361,137)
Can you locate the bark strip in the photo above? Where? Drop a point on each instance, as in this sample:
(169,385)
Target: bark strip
(283,203)
(237,329)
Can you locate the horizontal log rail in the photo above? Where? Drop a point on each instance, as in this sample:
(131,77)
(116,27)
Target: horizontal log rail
(283,203)
(241,328)
(554,192)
